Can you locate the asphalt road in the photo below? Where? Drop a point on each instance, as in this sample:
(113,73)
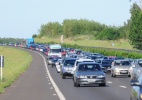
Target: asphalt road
(35,84)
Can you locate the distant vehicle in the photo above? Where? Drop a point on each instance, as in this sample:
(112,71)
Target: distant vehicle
(136,91)
(88,73)
(52,59)
(57,64)
(29,42)
(105,63)
(121,68)
(55,49)
(11,43)
(67,67)
(17,44)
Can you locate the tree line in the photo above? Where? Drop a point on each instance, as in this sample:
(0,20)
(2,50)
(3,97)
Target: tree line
(131,29)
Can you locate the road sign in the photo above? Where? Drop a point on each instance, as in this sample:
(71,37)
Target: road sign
(1,61)
(62,39)
(1,65)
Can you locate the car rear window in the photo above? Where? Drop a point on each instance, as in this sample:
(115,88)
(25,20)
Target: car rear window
(89,67)
(81,62)
(69,62)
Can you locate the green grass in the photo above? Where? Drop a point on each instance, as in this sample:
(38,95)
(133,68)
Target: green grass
(87,40)
(16,62)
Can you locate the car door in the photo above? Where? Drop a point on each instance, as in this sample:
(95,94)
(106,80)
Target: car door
(136,90)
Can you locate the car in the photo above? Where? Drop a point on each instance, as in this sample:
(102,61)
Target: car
(57,65)
(79,61)
(67,67)
(88,73)
(120,68)
(105,63)
(51,60)
(136,69)
(136,91)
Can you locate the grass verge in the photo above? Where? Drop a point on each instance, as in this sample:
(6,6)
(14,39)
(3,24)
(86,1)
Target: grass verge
(16,62)
(86,40)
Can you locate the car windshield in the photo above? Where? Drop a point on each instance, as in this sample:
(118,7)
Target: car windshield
(122,63)
(69,62)
(105,62)
(89,67)
(140,63)
(55,50)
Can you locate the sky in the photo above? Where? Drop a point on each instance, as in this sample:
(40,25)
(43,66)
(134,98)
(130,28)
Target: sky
(23,18)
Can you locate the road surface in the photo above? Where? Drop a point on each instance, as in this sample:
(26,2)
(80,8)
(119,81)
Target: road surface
(41,82)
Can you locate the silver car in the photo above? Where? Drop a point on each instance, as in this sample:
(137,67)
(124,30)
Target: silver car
(120,68)
(89,73)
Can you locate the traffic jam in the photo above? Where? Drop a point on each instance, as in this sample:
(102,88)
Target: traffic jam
(90,69)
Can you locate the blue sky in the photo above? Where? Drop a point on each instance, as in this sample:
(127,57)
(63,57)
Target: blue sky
(23,18)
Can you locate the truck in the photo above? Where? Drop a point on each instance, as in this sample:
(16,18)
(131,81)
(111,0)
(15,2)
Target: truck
(55,50)
(29,42)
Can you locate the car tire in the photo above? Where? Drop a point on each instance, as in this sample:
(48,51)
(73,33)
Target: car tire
(111,75)
(63,77)
(77,84)
(74,84)
(103,84)
(129,75)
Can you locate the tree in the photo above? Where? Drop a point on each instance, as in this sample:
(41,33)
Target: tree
(34,36)
(135,31)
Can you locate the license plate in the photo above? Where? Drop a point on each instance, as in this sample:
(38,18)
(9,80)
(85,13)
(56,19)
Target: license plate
(91,80)
(123,71)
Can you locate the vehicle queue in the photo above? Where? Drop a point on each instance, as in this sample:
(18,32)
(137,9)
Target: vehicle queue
(88,68)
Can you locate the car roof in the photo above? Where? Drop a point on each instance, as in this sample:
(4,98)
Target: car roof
(87,63)
(85,60)
(69,58)
(122,60)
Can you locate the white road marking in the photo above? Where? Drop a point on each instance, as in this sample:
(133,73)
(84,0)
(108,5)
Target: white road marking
(54,94)
(49,83)
(51,88)
(123,86)
(109,82)
(59,93)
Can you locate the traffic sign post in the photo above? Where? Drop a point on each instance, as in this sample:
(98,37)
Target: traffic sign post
(1,65)
(62,39)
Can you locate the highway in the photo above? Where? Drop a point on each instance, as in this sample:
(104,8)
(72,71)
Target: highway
(41,82)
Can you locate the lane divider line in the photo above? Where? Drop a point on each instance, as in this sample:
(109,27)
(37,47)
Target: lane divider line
(123,86)
(59,93)
(109,82)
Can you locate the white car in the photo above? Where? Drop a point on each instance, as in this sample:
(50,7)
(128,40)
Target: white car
(57,64)
(79,61)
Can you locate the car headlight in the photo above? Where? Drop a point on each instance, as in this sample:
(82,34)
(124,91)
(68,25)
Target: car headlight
(140,96)
(82,76)
(117,69)
(101,76)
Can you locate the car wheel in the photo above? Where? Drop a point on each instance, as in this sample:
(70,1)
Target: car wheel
(114,75)
(74,84)
(103,84)
(57,70)
(63,77)
(129,75)
(111,75)
(77,84)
